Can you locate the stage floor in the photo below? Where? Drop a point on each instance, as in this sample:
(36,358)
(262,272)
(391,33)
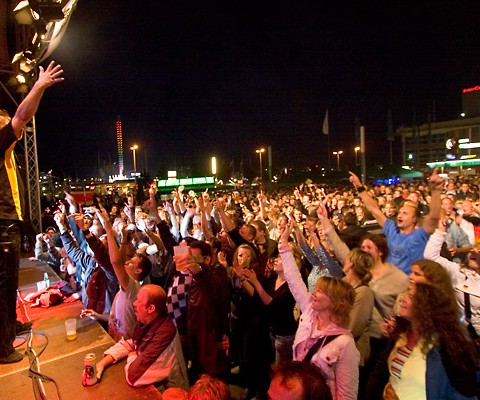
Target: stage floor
(62,360)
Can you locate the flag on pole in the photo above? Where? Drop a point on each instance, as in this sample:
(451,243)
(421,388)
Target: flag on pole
(390,133)
(325,124)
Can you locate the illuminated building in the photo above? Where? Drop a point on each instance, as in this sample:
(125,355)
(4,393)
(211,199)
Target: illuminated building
(451,144)
(120,146)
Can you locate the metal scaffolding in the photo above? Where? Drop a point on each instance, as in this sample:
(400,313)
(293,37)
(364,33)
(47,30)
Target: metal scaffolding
(45,46)
(32,176)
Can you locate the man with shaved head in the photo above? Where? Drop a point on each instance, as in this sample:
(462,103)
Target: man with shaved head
(154,351)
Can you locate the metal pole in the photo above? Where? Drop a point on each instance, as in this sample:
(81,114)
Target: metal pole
(269,149)
(260,151)
(261,172)
(135,167)
(362,153)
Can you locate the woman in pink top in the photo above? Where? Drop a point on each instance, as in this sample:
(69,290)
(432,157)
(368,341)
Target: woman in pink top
(322,336)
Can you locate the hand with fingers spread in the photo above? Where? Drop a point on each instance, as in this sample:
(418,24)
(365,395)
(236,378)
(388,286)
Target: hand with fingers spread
(250,275)
(322,212)
(49,76)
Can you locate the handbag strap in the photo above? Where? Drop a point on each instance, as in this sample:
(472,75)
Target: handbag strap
(321,341)
(468,316)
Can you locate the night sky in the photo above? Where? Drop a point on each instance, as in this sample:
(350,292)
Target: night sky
(195,79)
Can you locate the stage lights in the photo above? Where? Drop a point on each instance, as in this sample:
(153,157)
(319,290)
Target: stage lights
(24,14)
(49,10)
(49,19)
(26,61)
(28,11)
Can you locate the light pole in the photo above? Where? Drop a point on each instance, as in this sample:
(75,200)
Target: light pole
(357,149)
(214,167)
(260,152)
(337,153)
(134,148)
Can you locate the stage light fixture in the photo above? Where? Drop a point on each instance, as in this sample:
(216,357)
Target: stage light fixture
(21,78)
(26,61)
(49,10)
(24,14)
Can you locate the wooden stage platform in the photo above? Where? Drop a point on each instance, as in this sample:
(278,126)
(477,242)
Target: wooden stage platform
(62,360)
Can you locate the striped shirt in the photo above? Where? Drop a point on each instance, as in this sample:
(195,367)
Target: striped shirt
(398,361)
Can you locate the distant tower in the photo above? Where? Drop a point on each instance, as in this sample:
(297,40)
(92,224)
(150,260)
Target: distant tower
(120,146)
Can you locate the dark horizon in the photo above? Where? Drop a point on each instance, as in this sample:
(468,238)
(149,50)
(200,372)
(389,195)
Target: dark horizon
(191,81)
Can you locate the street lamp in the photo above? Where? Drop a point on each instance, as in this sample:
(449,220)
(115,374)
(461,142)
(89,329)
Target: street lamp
(260,152)
(214,166)
(337,153)
(357,149)
(134,148)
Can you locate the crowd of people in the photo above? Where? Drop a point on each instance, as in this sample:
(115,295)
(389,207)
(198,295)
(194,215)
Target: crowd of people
(289,293)
(374,290)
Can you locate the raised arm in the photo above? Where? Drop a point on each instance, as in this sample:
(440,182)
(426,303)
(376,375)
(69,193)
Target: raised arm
(151,203)
(203,216)
(261,203)
(175,227)
(73,207)
(292,274)
(338,246)
(180,199)
(368,200)
(29,106)
(227,223)
(436,183)
(299,234)
(114,253)
(434,248)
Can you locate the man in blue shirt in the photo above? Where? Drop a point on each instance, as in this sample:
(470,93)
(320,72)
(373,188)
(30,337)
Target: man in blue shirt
(406,241)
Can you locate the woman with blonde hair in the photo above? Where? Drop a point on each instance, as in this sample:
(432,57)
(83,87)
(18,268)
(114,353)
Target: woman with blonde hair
(322,336)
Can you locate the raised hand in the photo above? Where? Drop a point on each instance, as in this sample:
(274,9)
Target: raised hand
(222,259)
(79,220)
(104,218)
(59,218)
(322,212)
(436,182)
(168,207)
(199,203)
(220,202)
(49,76)
(250,275)
(355,180)
(286,233)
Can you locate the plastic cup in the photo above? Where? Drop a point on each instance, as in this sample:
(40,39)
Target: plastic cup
(71,328)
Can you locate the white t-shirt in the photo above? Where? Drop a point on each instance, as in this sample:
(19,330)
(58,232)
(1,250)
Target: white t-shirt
(122,316)
(407,371)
